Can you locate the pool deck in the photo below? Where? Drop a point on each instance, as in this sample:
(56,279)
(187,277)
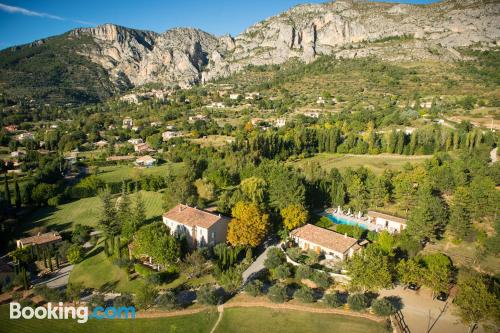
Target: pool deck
(362,223)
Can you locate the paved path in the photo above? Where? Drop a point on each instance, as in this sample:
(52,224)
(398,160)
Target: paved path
(422,314)
(220,309)
(59,279)
(257,265)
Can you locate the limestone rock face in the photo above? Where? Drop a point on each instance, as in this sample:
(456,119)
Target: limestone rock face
(344,28)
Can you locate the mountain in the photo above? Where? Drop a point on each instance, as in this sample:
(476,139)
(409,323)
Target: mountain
(95,63)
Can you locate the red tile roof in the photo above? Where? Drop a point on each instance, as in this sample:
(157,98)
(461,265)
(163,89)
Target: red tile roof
(373,213)
(40,239)
(326,238)
(191,216)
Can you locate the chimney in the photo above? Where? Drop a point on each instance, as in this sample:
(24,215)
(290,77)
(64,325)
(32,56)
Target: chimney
(39,233)
(345,235)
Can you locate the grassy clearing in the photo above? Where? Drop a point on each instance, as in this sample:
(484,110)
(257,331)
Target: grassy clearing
(117,173)
(375,163)
(84,211)
(244,320)
(97,271)
(195,323)
(213,141)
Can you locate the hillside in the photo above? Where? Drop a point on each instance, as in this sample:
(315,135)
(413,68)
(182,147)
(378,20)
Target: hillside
(91,64)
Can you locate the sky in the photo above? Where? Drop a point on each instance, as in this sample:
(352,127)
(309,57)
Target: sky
(24,21)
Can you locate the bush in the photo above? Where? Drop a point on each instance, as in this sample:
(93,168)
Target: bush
(294,253)
(358,302)
(321,279)
(312,258)
(74,254)
(50,295)
(383,307)
(281,272)
(142,270)
(145,296)
(254,288)
(123,300)
(97,300)
(168,300)
(275,257)
(277,293)
(304,294)
(206,295)
(153,279)
(304,272)
(231,279)
(334,300)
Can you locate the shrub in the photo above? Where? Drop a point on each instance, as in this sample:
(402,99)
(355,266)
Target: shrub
(143,270)
(97,300)
(206,295)
(145,296)
(231,279)
(294,253)
(312,258)
(304,272)
(123,300)
(281,272)
(277,293)
(321,279)
(275,257)
(304,294)
(254,288)
(153,279)
(358,302)
(334,300)
(383,307)
(75,254)
(168,300)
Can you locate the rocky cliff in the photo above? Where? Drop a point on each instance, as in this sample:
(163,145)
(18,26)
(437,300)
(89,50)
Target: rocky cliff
(344,28)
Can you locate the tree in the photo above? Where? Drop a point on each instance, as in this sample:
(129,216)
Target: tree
(460,216)
(474,301)
(155,241)
(108,221)
(428,219)
(255,190)
(254,288)
(358,302)
(334,300)
(231,279)
(206,295)
(304,294)
(357,193)
(249,226)
(75,254)
(277,293)
(386,242)
(18,200)
(124,212)
(168,300)
(410,271)
(145,296)
(370,269)
(194,264)
(383,307)
(281,272)
(139,212)
(294,216)
(6,191)
(437,273)
(275,257)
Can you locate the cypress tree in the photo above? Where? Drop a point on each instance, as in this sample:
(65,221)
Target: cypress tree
(25,279)
(106,249)
(50,263)
(18,200)
(57,261)
(7,191)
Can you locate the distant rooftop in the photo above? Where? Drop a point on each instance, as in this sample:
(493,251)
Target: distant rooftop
(192,216)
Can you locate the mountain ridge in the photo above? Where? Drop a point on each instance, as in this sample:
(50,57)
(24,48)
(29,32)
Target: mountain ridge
(344,28)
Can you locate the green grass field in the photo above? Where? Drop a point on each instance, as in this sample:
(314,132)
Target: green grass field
(98,272)
(249,320)
(195,323)
(84,211)
(117,173)
(375,163)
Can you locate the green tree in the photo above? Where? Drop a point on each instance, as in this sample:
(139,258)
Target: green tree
(474,301)
(410,271)
(370,269)
(155,241)
(437,273)
(460,217)
(249,226)
(294,216)
(108,221)
(17,200)
(6,191)
(74,254)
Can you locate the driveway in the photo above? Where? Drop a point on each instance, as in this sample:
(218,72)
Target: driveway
(422,314)
(257,265)
(57,280)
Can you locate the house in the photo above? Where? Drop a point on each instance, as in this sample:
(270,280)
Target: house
(6,273)
(167,135)
(387,222)
(127,123)
(216,105)
(40,239)
(17,153)
(426,105)
(234,96)
(324,241)
(25,136)
(135,141)
(202,228)
(280,122)
(10,128)
(320,101)
(101,144)
(311,114)
(155,123)
(142,148)
(252,95)
(197,117)
(145,161)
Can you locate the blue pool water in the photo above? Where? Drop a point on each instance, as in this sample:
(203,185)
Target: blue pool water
(340,220)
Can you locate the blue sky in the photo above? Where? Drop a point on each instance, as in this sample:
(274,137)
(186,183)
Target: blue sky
(27,20)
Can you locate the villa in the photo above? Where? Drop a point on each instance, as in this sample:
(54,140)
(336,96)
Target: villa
(324,241)
(167,135)
(127,123)
(391,223)
(145,161)
(40,239)
(202,228)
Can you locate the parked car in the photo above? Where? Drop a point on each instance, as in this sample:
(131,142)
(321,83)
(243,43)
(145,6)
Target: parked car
(413,286)
(442,296)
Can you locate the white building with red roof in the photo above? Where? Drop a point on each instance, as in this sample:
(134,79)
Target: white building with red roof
(202,228)
(324,241)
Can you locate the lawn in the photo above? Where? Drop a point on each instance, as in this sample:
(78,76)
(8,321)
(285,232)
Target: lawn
(243,320)
(195,323)
(84,211)
(375,163)
(117,173)
(97,271)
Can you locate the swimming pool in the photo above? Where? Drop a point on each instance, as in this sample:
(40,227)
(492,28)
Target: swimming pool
(339,220)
